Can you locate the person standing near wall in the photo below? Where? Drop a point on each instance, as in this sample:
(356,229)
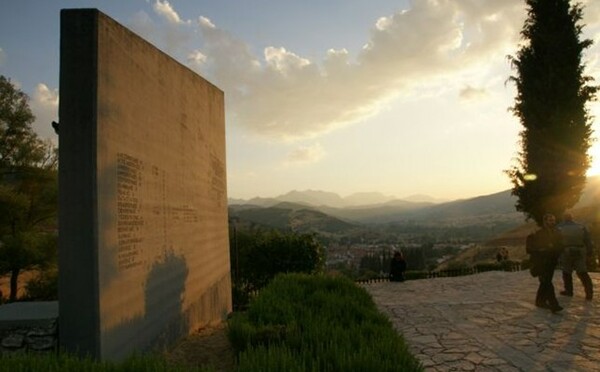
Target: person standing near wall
(578,251)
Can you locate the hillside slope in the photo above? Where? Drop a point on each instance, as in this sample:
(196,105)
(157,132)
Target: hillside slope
(289,216)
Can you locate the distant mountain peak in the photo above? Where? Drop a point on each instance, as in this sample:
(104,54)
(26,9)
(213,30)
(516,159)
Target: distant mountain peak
(312,197)
(366,198)
(422,198)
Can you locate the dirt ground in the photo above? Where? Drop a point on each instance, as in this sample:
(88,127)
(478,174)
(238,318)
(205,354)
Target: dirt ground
(209,347)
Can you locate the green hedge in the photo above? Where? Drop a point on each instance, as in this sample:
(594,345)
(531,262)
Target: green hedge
(301,322)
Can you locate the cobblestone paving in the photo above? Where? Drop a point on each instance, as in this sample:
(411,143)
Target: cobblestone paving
(488,322)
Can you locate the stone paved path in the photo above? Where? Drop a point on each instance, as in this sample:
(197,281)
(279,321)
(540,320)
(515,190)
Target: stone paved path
(488,322)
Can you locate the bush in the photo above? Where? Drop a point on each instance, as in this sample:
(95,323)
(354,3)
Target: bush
(44,287)
(317,323)
(261,256)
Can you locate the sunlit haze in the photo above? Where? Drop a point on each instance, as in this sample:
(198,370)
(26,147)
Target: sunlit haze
(346,96)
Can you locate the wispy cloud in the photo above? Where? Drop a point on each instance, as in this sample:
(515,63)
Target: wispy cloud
(592,12)
(172,34)
(592,25)
(196,57)
(287,96)
(283,95)
(164,9)
(304,155)
(469,93)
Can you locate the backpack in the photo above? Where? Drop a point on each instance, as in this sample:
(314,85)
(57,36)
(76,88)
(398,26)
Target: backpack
(572,234)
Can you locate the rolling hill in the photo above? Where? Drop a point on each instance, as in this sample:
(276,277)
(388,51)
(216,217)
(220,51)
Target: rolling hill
(290,216)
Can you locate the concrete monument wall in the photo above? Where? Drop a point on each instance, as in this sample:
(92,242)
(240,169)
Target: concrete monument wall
(143,245)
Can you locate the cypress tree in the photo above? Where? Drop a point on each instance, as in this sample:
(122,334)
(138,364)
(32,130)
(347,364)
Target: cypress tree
(552,93)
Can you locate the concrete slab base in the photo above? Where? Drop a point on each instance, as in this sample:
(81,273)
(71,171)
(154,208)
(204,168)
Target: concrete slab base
(19,314)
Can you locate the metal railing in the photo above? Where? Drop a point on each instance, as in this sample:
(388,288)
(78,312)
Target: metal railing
(414,275)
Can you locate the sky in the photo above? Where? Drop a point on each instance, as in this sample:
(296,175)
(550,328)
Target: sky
(400,97)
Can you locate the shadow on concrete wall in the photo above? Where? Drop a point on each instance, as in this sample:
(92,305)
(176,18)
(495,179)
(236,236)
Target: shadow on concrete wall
(163,322)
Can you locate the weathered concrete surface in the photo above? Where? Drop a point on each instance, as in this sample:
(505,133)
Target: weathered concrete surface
(27,313)
(487,322)
(144,252)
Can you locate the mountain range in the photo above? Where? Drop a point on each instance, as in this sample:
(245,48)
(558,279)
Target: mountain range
(330,199)
(301,208)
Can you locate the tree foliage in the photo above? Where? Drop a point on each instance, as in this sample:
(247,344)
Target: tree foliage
(28,189)
(20,146)
(258,256)
(552,92)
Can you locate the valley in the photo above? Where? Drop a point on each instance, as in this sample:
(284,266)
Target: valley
(433,236)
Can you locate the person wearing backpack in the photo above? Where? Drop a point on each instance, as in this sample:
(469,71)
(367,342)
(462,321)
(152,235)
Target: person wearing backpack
(544,247)
(579,250)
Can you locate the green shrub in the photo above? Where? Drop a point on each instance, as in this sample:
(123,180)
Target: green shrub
(317,323)
(259,256)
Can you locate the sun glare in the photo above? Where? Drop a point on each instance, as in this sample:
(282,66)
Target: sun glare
(595,167)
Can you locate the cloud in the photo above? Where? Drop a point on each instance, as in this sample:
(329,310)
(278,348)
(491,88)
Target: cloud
(44,106)
(196,57)
(434,47)
(591,19)
(304,155)
(165,10)
(172,34)
(205,22)
(469,93)
(591,13)
(284,62)
(287,96)
(45,96)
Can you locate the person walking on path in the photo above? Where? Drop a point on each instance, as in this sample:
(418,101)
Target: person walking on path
(578,251)
(544,247)
(397,267)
